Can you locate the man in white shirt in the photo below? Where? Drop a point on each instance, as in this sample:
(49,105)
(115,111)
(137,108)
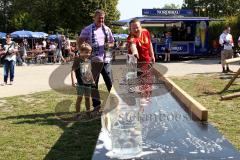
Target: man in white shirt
(44,44)
(52,50)
(226,41)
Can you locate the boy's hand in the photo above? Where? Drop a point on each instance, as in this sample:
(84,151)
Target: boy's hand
(74,84)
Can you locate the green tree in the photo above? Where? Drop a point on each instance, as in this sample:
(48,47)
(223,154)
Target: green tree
(5,10)
(23,20)
(43,14)
(213,8)
(112,14)
(171,6)
(54,15)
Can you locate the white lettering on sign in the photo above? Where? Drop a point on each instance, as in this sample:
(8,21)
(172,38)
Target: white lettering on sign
(177,48)
(168,12)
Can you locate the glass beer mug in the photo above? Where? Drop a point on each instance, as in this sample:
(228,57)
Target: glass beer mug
(124,129)
(131,68)
(132,65)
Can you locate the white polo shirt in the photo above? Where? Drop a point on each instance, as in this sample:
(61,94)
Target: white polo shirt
(226,40)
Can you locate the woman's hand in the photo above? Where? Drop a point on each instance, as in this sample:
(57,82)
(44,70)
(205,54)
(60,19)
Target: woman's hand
(153,59)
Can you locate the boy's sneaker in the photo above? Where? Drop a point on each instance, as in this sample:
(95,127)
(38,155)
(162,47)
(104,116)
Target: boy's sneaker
(77,117)
(96,113)
(97,109)
(11,83)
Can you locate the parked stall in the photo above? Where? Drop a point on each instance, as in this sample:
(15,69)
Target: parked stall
(189,33)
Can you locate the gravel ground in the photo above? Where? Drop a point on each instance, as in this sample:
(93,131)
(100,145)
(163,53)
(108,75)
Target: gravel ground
(35,78)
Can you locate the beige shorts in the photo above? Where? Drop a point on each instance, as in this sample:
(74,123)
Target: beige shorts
(226,54)
(58,53)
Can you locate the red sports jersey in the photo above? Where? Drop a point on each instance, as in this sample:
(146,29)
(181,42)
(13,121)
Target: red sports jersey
(143,45)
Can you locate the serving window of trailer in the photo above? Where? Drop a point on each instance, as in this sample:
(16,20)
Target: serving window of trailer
(189,37)
(180,31)
(189,33)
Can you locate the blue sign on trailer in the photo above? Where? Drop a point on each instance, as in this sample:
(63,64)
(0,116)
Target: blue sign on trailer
(167,12)
(177,48)
(192,32)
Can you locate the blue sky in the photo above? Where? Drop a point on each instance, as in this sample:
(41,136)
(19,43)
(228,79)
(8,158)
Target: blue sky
(133,8)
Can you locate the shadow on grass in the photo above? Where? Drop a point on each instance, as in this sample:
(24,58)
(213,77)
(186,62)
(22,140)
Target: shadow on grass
(227,76)
(218,75)
(206,94)
(78,140)
(232,90)
(219,93)
(41,119)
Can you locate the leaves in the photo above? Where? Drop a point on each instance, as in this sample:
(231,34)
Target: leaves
(50,15)
(213,8)
(171,6)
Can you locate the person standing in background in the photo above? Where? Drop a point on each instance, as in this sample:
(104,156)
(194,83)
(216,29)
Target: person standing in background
(174,32)
(168,44)
(67,49)
(44,45)
(10,60)
(226,41)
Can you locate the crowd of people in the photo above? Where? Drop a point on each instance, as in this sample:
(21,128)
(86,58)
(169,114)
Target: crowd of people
(53,51)
(19,52)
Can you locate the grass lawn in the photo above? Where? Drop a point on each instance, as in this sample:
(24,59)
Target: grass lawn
(31,127)
(224,115)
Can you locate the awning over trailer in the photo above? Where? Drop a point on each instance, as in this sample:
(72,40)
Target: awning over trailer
(166,19)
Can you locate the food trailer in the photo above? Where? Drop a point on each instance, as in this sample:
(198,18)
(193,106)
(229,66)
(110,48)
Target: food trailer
(189,33)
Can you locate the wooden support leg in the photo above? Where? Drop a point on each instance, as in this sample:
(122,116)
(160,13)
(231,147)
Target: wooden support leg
(231,81)
(230,96)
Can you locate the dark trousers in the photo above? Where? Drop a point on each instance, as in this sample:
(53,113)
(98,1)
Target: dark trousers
(19,60)
(9,66)
(105,70)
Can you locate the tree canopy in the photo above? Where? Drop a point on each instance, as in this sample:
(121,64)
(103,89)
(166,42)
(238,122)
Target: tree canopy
(213,8)
(53,15)
(171,6)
